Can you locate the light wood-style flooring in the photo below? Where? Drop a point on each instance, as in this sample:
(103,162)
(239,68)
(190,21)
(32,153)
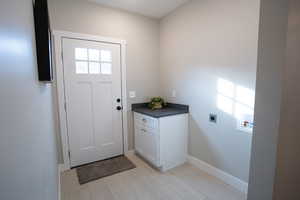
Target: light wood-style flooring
(144,183)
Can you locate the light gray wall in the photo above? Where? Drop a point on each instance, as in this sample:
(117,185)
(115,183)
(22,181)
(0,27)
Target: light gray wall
(287,181)
(28,167)
(271,61)
(141,34)
(201,42)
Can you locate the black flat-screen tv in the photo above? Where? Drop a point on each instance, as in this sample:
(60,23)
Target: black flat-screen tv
(43,40)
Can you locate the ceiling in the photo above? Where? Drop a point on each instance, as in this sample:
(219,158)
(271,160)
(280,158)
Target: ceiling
(150,8)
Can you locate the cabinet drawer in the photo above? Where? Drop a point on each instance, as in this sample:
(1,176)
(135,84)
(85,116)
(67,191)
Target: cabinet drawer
(146,121)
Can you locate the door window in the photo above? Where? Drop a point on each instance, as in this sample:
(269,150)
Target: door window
(93,61)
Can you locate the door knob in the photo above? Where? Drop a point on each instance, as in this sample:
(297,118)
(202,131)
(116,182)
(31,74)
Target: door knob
(119,108)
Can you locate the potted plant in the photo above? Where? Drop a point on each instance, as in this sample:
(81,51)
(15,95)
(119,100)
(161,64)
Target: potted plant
(157,103)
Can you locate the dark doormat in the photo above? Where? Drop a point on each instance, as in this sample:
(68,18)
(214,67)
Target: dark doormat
(104,168)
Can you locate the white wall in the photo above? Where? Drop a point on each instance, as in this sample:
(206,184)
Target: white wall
(141,34)
(201,42)
(28,167)
(271,62)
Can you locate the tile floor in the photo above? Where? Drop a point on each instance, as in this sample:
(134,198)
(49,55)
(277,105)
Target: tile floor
(144,183)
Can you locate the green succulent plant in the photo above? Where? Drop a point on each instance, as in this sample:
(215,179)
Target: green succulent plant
(157,103)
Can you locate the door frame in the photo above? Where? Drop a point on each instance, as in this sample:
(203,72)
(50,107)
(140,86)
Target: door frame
(60,87)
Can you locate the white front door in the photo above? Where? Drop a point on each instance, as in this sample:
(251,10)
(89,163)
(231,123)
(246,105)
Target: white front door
(92,76)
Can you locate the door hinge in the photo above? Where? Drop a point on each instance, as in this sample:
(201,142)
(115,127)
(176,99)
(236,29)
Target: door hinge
(65,105)
(69,154)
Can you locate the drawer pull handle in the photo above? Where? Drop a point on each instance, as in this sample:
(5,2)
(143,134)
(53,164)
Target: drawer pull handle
(144,120)
(144,130)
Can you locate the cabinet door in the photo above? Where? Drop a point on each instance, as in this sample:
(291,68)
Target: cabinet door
(139,140)
(147,144)
(151,146)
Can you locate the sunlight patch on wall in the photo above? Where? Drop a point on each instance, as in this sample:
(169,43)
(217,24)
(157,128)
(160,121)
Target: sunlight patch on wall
(237,101)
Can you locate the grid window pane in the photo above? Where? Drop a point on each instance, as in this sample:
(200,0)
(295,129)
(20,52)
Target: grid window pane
(106,68)
(81,67)
(81,54)
(94,68)
(94,55)
(106,56)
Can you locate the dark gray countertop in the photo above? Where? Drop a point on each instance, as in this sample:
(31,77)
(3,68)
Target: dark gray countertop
(169,110)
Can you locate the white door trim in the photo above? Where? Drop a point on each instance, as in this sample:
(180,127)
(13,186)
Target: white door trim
(60,88)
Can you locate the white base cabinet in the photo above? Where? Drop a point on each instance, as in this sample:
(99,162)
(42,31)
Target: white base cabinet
(162,141)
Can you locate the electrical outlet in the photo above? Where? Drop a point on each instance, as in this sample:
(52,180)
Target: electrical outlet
(132,94)
(213,118)
(174,93)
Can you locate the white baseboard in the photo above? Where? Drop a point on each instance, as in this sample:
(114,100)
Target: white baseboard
(130,153)
(227,178)
(62,167)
